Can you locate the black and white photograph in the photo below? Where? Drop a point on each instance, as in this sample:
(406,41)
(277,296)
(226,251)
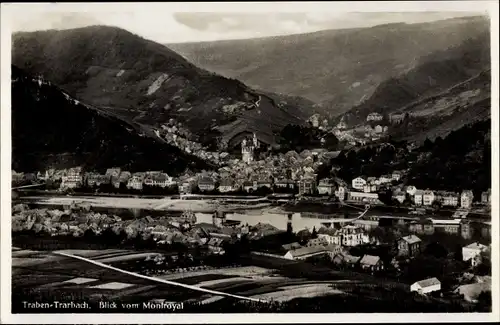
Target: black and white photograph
(176,159)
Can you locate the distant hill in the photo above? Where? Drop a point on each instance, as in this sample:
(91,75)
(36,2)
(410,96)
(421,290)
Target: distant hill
(52,129)
(446,90)
(432,75)
(438,115)
(144,81)
(336,68)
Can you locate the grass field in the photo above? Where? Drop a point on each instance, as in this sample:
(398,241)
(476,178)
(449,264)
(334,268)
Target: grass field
(298,291)
(57,276)
(199,279)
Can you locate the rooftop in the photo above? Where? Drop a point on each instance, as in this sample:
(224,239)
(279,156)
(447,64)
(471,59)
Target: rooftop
(327,231)
(411,239)
(476,245)
(113,171)
(446,221)
(351,259)
(215,241)
(307,250)
(370,260)
(428,282)
(206,180)
(472,291)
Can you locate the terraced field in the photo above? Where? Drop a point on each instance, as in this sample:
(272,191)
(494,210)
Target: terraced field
(37,275)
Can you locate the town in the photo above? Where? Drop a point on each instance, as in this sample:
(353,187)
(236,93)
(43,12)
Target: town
(291,173)
(434,221)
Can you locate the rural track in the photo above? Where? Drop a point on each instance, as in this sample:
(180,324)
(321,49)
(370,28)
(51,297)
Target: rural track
(173,283)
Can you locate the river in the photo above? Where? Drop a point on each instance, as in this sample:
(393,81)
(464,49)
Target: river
(251,214)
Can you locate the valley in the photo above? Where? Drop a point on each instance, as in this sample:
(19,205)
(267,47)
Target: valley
(344,170)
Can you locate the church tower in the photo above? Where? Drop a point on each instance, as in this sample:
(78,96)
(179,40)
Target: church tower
(255,141)
(247,150)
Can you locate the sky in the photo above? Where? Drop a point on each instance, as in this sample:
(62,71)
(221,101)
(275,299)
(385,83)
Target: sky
(189,26)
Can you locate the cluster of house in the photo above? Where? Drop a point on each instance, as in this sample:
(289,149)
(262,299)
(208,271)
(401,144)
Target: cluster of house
(334,244)
(352,136)
(163,230)
(76,177)
(373,184)
(288,172)
(418,197)
(471,253)
(411,246)
(176,135)
(394,118)
(443,198)
(314,120)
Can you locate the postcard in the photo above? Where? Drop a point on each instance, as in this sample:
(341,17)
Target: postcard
(249,162)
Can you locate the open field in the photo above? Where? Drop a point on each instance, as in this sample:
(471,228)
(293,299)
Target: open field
(209,277)
(123,258)
(112,286)
(63,278)
(94,253)
(80,280)
(299,291)
(57,275)
(251,272)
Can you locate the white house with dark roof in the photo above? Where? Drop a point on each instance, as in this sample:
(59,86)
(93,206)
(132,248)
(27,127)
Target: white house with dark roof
(330,235)
(385,179)
(428,197)
(472,291)
(471,253)
(486,197)
(409,246)
(353,236)
(136,181)
(206,183)
(73,178)
(341,193)
(426,286)
(396,175)
(326,186)
(358,183)
(466,199)
(227,185)
(448,198)
(410,189)
(363,197)
(371,262)
(418,197)
(374,117)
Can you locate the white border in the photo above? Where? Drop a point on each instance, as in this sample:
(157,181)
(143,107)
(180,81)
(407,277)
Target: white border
(11,10)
